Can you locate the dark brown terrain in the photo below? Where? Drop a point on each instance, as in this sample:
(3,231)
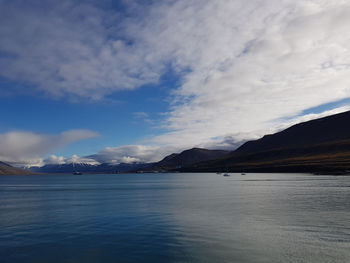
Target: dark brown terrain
(6,169)
(318,146)
(186,158)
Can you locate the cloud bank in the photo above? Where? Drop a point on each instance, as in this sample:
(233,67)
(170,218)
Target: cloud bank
(71,48)
(253,63)
(246,68)
(54,160)
(27,148)
(132,154)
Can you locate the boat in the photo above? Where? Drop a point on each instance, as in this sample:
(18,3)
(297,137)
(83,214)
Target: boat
(226,175)
(242,173)
(75,172)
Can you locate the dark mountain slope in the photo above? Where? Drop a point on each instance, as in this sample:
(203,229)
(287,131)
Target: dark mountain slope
(188,157)
(6,169)
(327,129)
(318,145)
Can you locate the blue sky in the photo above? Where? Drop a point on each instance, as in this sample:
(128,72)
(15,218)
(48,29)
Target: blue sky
(133,81)
(120,119)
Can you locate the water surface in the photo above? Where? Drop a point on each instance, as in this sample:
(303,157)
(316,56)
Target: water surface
(175,218)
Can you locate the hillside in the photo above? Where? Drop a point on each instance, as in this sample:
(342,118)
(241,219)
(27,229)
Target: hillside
(186,158)
(6,169)
(321,145)
(323,130)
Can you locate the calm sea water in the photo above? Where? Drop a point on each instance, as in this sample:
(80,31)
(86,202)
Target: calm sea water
(175,218)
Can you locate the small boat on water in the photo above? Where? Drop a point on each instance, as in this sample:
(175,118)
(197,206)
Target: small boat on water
(75,172)
(226,175)
(242,173)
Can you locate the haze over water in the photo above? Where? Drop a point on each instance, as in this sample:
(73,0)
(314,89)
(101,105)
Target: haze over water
(175,218)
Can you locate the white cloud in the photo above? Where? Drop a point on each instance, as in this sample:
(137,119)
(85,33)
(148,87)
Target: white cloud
(77,159)
(53,159)
(143,116)
(252,63)
(245,66)
(131,154)
(71,48)
(28,148)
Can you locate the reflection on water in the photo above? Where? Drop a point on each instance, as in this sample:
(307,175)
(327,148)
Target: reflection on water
(175,218)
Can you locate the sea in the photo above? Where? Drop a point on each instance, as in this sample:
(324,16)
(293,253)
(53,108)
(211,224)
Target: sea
(175,217)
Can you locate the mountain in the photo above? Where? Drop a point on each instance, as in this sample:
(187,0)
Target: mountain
(6,169)
(321,145)
(186,158)
(170,162)
(324,130)
(89,168)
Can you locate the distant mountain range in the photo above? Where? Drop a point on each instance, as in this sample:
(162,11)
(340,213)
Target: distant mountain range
(171,162)
(89,168)
(319,146)
(6,169)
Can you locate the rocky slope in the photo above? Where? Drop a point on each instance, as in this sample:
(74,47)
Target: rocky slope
(6,169)
(321,145)
(186,158)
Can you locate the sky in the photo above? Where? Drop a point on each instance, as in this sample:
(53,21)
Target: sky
(133,81)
